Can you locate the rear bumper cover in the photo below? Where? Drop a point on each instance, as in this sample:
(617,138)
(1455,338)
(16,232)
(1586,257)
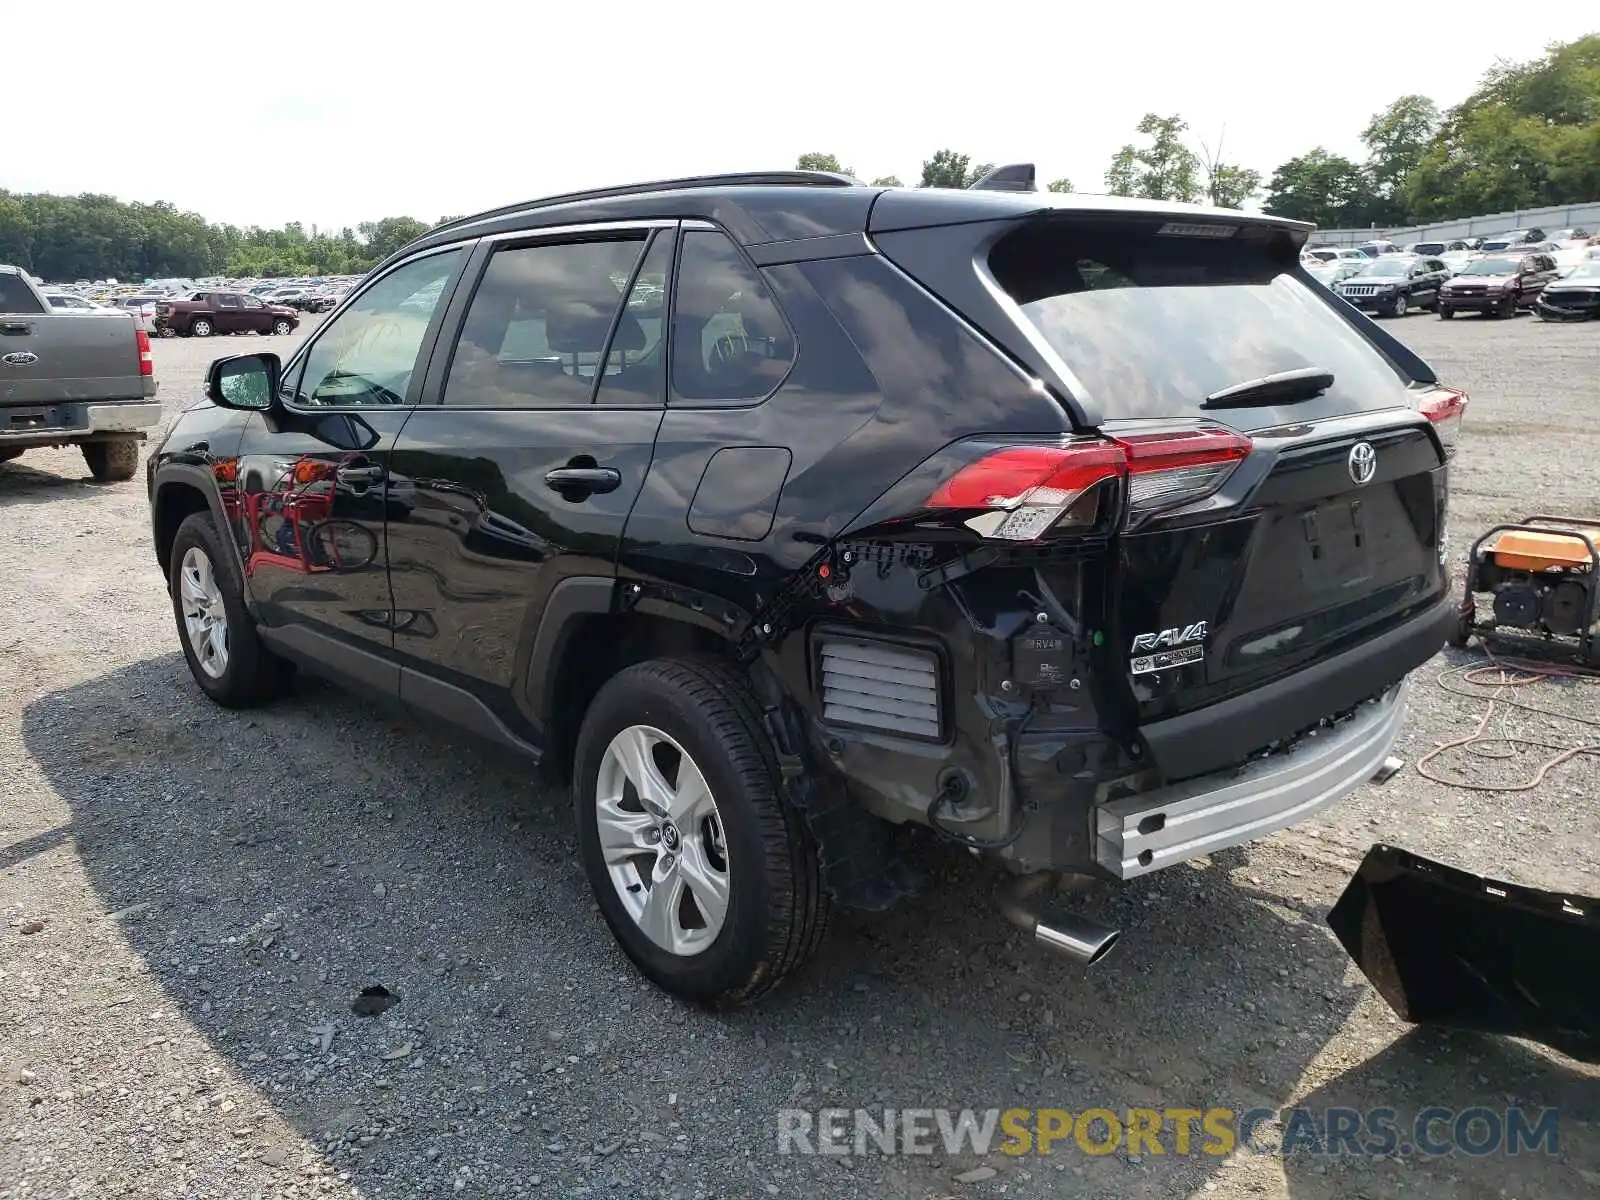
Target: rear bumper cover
(1230,731)
(1173,824)
(75,421)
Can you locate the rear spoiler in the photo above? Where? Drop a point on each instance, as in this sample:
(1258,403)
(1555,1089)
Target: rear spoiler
(1013,177)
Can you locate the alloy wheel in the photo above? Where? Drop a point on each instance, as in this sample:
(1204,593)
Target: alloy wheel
(662,839)
(205,618)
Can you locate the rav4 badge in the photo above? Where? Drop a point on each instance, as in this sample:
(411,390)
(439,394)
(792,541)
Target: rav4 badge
(1181,635)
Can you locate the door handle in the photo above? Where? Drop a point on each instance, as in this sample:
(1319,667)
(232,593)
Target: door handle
(15,328)
(359,476)
(585,481)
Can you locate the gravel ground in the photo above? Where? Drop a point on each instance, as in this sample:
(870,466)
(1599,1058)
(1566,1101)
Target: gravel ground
(192,899)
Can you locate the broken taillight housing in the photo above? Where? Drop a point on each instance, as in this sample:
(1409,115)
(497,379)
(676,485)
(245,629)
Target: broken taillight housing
(1444,407)
(1023,492)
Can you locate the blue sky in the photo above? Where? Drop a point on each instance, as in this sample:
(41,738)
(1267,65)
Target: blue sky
(344,111)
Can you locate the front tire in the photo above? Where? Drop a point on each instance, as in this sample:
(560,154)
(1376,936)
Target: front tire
(1446,314)
(707,877)
(282,328)
(6,455)
(1506,307)
(111,462)
(225,653)
(1400,305)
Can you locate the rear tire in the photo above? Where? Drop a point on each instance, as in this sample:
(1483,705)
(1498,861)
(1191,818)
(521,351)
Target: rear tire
(113,461)
(249,673)
(773,906)
(1466,618)
(201,327)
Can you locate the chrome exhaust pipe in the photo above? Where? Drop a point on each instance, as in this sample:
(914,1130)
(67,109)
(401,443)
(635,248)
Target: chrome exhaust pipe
(1083,940)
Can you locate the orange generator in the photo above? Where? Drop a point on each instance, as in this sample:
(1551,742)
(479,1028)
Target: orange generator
(1543,574)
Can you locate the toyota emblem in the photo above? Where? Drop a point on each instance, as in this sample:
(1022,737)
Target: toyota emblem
(1363,462)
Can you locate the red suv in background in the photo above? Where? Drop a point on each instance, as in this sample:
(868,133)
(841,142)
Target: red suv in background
(1497,286)
(206,313)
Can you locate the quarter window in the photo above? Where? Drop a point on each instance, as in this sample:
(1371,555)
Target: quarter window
(367,355)
(537,328)
(729,341)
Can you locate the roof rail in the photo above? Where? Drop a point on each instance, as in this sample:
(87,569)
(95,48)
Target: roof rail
(736,179)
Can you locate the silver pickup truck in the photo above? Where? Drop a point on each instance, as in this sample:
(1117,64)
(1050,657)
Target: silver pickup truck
(72,378)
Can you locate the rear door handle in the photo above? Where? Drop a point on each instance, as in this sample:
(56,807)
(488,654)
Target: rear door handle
(15,328)
(587,480)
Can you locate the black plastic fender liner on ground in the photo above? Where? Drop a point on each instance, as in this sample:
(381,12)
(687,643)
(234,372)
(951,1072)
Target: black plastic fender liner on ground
(1446,947)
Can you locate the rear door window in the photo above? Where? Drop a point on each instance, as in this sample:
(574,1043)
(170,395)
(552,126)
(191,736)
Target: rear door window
(1150,324)
(538,325)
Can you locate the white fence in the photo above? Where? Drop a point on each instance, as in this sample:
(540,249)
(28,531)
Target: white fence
(1561,216)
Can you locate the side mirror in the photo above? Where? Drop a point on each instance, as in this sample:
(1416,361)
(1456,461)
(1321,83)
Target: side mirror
(244,381)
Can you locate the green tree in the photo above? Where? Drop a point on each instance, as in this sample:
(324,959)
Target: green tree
(384,237)
(1060,185)
(822,162)
(1327,189)
(1229,186)
(1396,140)
(1525,138)
(947,169)
(1165,169)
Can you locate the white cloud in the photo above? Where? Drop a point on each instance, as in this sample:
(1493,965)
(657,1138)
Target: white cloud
(344,111)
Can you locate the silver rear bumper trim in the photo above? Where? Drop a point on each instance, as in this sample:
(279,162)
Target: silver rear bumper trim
(1145,833)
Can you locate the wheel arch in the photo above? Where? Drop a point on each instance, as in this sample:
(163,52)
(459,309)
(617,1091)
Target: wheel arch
(586,635)
(180,492)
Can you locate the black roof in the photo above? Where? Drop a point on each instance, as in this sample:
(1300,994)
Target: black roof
(780,206)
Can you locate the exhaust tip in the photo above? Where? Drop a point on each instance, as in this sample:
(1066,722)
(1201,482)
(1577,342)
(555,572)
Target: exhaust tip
(1085,942)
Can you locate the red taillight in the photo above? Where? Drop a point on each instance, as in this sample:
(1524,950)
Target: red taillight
(1028,490)
(1175,467)
(1444,407)
(147,361)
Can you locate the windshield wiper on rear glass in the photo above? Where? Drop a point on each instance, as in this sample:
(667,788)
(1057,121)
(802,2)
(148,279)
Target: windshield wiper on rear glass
(1302,383)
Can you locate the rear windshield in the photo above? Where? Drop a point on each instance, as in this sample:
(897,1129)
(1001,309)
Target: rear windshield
(16,296)
(1151,324)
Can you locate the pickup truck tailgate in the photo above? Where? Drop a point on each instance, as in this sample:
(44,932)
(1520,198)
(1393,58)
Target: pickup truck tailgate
(47,358)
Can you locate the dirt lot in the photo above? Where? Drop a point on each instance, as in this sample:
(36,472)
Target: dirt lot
(214,889)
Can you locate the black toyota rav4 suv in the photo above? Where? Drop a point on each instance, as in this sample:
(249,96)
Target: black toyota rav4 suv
(777,513)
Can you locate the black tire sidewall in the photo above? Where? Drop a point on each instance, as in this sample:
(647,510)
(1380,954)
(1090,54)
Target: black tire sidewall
(640,698)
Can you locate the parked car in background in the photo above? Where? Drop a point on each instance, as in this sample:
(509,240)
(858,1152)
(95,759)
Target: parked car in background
(1377,249)
(1394,285)
(73,377)
(1514,238)
(1497,285)
(70,302)
(205,313)
(1428,249)
(1321,253)
(142,308)
(1575,236)
(1330,273)
(1573,297)
(1456,259)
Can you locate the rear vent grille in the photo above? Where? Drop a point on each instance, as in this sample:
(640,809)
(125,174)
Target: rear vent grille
(874,685)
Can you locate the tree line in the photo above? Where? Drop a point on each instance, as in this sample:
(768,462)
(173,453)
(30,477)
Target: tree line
(63,238)
(1528,137)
